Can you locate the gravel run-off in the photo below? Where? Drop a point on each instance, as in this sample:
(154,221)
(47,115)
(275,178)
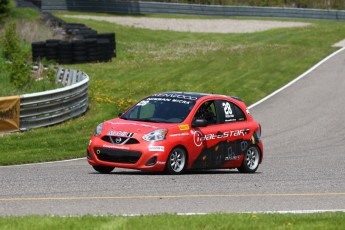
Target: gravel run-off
(196,25)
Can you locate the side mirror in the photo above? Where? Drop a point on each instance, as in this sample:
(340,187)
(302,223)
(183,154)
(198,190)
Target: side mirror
(199,123)
(120,114)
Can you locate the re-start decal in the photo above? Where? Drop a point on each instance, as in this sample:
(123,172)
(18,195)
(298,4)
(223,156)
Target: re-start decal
(199,138)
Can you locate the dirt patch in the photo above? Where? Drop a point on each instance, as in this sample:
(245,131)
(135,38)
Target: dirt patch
(196,25)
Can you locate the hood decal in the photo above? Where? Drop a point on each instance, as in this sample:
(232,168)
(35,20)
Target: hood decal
(133,123)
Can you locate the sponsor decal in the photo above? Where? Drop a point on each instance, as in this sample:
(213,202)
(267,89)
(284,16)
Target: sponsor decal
(184,127)
(124,134)
(9,113)
(156,148)
(179,134)
(158,99)
(229,116)
(228,111)
(199,138)
(142,103)
(231,155)
(114,147)
(160,163)
(133,123)
(176,95)
(120,134)
(244,145)
(169,100)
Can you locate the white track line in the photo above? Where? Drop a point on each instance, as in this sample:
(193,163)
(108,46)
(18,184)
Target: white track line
(43,163)
(302,211)
(205,213)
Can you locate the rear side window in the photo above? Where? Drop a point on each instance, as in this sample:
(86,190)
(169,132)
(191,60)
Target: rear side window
(231,112)
(239,114)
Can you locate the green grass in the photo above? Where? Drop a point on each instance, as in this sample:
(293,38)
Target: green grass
(249,66)
(322,221)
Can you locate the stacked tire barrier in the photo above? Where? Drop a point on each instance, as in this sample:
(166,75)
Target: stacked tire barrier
(81,44)
(93,48)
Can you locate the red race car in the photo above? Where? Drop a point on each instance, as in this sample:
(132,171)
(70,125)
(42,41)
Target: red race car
(178,131)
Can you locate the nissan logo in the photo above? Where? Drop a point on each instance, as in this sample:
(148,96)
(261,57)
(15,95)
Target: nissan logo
(118,140)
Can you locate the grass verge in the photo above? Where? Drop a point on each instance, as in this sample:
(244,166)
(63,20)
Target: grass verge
(249,66)
(320,221)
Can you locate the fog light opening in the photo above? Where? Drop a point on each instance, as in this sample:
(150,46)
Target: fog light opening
(152,161)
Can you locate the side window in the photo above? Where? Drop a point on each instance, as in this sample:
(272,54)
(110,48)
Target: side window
(231,112)
(239,114)
(207,111)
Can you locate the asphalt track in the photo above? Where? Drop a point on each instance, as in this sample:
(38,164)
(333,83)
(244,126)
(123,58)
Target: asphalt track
(303,169)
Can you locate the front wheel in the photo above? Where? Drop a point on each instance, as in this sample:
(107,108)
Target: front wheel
(251,160)
(177,160)
(103,169)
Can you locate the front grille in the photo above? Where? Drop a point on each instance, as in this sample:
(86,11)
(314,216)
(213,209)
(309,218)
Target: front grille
(120,140)
(117,155)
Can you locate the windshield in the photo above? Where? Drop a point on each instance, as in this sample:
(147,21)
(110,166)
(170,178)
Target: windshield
(160,109)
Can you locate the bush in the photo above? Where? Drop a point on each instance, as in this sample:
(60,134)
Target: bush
(18,68)
(19,71)
(10,42)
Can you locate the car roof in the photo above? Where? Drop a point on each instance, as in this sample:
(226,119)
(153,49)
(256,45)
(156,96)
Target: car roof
(191,95)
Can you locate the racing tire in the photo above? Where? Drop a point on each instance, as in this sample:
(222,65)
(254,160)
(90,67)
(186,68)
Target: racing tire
(177,161)
(251,160)
(103,169)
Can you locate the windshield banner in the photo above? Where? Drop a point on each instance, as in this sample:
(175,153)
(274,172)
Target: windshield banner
(9,113)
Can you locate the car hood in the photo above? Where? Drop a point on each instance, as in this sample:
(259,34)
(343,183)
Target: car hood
(113,127)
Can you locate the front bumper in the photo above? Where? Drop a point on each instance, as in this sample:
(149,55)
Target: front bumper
(150,156)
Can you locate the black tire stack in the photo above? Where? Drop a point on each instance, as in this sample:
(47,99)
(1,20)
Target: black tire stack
(82,45)
(92,50)
(79,51)
(106,46)
(65,53)
(52,49)
(77,30)
(38,50)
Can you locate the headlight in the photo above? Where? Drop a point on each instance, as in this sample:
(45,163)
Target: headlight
(157,135)
(98,130)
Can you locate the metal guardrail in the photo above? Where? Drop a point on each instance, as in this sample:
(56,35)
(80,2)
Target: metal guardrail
(134,7)
(55,106)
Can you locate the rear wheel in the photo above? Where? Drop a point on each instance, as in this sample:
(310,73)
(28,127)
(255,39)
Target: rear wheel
(103,169)
(177,160)
(251,160)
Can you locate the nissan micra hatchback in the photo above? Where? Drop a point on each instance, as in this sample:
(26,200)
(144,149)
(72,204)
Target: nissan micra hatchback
(178,131)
